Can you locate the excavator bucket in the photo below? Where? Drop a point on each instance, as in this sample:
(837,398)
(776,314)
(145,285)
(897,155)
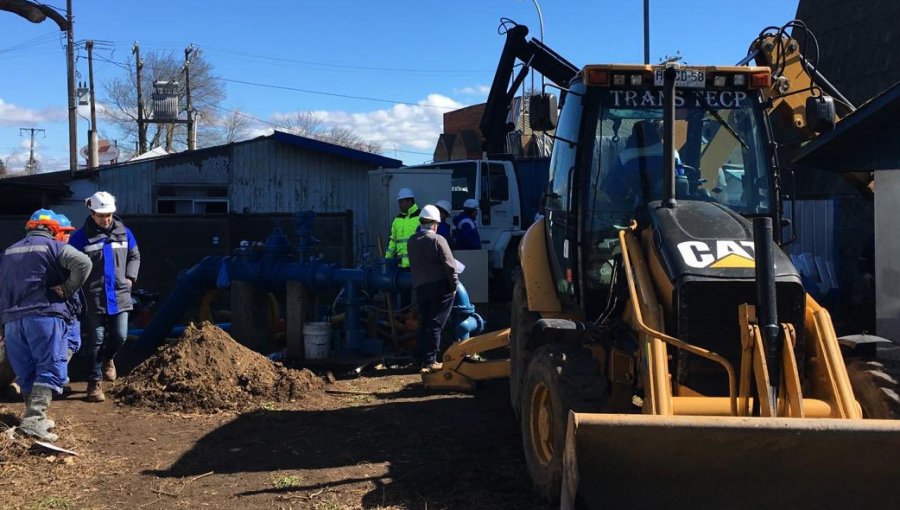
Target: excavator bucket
(648,461)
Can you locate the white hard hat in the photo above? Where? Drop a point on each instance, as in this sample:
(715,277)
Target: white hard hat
(405,193)
(470,203)
(101,202)
(430,213)
(444,205)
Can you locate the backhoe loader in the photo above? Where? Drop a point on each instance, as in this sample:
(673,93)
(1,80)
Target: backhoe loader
(663,350)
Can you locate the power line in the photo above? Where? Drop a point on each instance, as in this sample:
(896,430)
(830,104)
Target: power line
(333,94)
(344,67)
(31,43)
(306,91)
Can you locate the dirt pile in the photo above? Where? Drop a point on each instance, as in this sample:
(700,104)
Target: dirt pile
(207,370)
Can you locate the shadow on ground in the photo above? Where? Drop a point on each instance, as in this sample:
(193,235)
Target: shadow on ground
(446,451)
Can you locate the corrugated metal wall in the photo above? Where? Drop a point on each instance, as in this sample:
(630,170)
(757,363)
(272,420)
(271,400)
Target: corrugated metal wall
(264,176)
(814,251)
(274,177)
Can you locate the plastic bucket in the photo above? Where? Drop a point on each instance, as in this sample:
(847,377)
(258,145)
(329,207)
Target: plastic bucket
(316,339)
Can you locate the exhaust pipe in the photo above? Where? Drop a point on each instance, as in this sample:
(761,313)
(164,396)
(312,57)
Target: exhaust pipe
(766,304)
(669,138)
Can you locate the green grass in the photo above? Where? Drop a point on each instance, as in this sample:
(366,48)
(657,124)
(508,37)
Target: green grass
(54,503)
(270,406)
(287,482)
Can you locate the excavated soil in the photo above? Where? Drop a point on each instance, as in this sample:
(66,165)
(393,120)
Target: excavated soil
(208,371)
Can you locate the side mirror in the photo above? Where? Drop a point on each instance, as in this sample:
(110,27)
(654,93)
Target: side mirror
(820,113)
(543,113)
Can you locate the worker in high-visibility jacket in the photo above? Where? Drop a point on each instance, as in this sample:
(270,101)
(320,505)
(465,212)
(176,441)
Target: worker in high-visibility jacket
(403,227)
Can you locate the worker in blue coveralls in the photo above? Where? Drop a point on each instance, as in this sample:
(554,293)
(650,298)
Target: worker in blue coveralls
(466,236)
(114,252)
(443,228)
(73,324)
(39,275)
(637,175)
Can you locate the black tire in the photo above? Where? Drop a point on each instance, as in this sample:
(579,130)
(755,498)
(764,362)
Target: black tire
(559,378)
(521,322)
(876,388)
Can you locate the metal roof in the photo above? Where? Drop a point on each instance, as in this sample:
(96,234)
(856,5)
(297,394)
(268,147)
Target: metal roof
(865,140)
(337,150)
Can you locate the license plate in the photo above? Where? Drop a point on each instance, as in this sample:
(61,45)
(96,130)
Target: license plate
(690,78)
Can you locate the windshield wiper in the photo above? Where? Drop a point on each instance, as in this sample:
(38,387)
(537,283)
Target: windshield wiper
(719,118)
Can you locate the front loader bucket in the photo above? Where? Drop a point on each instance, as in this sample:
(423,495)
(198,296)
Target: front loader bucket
(647,461)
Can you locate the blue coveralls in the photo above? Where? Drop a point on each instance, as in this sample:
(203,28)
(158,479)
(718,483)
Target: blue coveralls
(467,237)
(34,317)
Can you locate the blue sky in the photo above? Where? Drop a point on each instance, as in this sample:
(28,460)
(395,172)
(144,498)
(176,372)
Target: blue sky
(412,59)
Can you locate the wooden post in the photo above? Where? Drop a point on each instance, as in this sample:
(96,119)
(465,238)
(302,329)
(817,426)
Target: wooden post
(248,315)
(297,306)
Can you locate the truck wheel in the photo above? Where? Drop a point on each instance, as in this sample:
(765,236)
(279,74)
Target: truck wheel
(559,378)
(876,387)
(521,322)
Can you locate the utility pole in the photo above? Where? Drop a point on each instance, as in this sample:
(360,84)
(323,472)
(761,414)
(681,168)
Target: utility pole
(93,149)
(73,109)
(191,135)
(142,127)
(31,166)
(646,32)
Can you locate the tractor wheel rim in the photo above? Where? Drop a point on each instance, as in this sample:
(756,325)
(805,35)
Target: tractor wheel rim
(542,424)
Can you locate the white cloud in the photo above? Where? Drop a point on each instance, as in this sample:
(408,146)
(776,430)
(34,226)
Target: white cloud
(477,90)
(11,114)
(414,127)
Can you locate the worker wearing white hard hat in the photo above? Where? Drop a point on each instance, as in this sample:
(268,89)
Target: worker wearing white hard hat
(434,278)
(403,226)
(446,211)
(116,261)
(466,236)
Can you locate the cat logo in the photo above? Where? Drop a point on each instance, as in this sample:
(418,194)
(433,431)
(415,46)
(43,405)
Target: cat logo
(724,255)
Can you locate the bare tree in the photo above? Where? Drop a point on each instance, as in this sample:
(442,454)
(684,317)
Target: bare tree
(2,168)
(310,125)
(231,127)
(207,92)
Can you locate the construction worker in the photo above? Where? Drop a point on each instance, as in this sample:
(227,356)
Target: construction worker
(446,211)
(637,175)
(403,226)
(114,252)
(39,275)
(466,236)
(434,279)
(73,323)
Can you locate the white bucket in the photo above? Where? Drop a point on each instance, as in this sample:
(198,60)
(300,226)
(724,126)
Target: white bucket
(316,339)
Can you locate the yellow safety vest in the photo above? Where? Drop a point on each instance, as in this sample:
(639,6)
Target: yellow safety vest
(402,228)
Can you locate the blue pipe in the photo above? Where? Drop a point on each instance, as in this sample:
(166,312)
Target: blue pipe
(464,316)
(192,284)
(271,267)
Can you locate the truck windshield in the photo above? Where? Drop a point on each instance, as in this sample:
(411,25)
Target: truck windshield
(719,144)
(462,180)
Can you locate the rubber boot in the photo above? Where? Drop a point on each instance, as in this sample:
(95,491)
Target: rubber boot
(27,397)
(95,392)
(35,422)
(109,370)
